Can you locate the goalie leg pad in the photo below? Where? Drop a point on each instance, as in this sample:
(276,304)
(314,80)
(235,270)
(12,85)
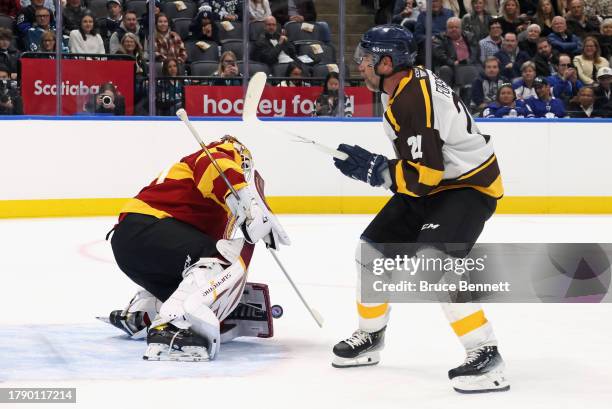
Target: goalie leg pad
(252,317)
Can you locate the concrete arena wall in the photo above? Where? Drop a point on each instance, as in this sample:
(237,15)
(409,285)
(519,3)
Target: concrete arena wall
(89,167)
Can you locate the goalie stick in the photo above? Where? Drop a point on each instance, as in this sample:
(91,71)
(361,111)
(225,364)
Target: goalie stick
(182,114)
(249,115)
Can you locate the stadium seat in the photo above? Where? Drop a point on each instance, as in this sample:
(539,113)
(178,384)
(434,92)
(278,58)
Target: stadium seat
(255,29)
(321,70)
(195,53)
(324,31)
(169,9)
(98,8)
(7,22)
(203,68)
(137,6)
(295,32)
(235,46)
(254,67)
(181,26)
(326,54)
(235,34)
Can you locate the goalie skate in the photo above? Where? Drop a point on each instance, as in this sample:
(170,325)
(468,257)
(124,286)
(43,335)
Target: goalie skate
(482,371)
(169,343)
(361,349)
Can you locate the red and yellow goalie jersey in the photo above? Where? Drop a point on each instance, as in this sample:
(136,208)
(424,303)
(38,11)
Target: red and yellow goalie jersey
(192,190)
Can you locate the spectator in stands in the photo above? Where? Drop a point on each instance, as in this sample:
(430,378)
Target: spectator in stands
(327,103)
(228,10)
(130,45)
(405,13)
(440,16)
(451,49)
(589,61)
(10,101)
(34,33)
(170,91)
(106,101)
(565,83)
(10,7)
(560,7)
(543,105)
(273,47)
(563,41)
(506,105)
(9,56)
(294,70)
(544,16)
(477,21)
(484,88)
(578,22)
(129,24)
(293,10)
(510,57)
(227,70)
(112,22)
(605,39)
(524,86)
(47,42)
(27,19)
(168,44)
(144,19)
(259,9)
(50,4)
(71,16)
(510,11)
(202,27)
(86,39)
(490,45)
(530,43)
(546,59)
(584,107)
(603,92)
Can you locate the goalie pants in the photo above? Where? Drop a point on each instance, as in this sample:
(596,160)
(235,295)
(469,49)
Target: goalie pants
(154,252)
(451,216)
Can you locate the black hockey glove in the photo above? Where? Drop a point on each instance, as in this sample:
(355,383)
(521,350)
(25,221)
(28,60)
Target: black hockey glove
(362,164)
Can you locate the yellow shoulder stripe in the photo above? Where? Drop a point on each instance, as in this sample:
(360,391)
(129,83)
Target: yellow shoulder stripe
(180,171)
(400,181)
(392,119)
(427,175)
(427,101)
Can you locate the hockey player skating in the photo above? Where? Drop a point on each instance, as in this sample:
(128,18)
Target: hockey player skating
(445,175)
(174,240)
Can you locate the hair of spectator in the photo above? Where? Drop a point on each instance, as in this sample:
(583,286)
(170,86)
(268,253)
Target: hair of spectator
(540,12)
(292,66)
(47,35)
(502,7)
(607,22)
(93,28)
(509,33)
(332,74)
(564,55)
(505,85)
(6,34)
(130,12)
(107,86)
(160,15)
(225,54)
(453,20)
(597,47)
(528,64)
(494,20)
(534,26)
(166,65)
(542,40)
(558,18)
(134,37)
(586,88)
(4,68)
(491,58)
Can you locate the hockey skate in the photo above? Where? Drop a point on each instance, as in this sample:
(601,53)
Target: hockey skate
(167,342)
(361,349)
(482,371)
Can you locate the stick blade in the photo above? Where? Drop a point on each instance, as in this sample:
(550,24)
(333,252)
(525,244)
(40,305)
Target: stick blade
(253,95)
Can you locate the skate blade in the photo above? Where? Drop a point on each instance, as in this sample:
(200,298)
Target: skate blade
(161,352)
(489,382)
(369,358)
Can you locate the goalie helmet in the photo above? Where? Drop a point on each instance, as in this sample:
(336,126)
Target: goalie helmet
(388,40)
(246,159)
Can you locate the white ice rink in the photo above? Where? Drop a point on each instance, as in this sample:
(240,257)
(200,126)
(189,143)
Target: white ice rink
(56,275)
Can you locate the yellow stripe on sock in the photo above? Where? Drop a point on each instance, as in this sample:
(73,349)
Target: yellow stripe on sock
(469,323)
(372,312)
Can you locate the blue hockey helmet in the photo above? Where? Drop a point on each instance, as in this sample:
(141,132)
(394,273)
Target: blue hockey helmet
(388,40)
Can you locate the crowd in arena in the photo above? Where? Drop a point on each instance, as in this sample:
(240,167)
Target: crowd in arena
(553,55)
(520,58)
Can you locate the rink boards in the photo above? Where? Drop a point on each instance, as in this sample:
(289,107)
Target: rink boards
(89,166)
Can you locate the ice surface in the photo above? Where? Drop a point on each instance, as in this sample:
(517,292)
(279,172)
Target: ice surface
(56,275)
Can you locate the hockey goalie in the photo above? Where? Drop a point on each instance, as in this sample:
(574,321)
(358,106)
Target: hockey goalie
(187,240)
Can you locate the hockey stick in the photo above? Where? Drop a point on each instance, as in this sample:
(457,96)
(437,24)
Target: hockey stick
(249,115)
(185,119)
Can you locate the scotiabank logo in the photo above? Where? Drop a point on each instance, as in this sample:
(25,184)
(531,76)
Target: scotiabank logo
(68,88)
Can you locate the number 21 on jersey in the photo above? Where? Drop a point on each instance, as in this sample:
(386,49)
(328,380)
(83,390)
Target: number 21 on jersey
(415,146)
